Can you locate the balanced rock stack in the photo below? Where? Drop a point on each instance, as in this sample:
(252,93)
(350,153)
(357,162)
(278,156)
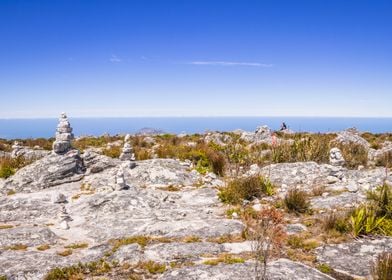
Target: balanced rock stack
(127,151)
(335,157)
(63,136)
(16,149)
(64,218)
(120,180)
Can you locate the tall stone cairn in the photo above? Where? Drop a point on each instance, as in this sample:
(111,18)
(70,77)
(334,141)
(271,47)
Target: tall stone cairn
(127,150)
(64,136)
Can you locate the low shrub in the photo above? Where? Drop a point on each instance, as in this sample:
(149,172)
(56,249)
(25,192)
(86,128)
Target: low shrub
(246,188)
(381,198)
(8,165)
(382,267)
(153,267)
(334,221)
(304,147)
(364,221)
(112,151)
(78,271)
(43,247)
(354,154)
(224,258)
(297,201)
(299,242)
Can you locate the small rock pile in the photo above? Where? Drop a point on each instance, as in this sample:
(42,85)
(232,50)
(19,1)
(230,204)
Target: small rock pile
(335,157)
(16,150)
(127,152)
(63,136)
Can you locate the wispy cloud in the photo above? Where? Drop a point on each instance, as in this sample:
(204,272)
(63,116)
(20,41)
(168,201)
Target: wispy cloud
(115,59)
(231,63)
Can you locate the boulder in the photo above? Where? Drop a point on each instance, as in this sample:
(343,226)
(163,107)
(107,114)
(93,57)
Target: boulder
(355,258)
(47,172)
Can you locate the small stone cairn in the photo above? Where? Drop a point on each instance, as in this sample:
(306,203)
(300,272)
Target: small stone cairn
(64,136)
(64,218)
(335,157)
(120,180)
(127,152)
(16,150)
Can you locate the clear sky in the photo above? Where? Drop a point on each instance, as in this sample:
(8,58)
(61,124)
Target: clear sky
(195,58)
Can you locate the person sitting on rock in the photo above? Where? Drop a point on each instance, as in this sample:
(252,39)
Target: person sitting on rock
(283,126)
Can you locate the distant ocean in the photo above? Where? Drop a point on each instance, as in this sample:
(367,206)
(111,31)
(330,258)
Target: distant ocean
(34,128)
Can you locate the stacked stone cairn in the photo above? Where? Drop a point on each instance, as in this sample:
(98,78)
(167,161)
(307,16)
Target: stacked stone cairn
(120,180)
(64,218)
(16,150)
(64,136)
(127,152)
(335,157)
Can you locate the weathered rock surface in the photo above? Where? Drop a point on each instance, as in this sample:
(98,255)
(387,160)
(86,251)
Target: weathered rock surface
(353,258)
(30,236)
(262,134)
(49,171)
(344,200)
(95,162)
(26,152)
(351,136)
(277,270)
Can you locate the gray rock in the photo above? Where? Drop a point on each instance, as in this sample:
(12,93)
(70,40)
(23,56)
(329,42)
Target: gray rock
(95,163)
(277,270)
(29,236)
(344,200)
(131,254)
(168,252)
(295,228)
(353,259)
(47,172)
(58,197)
(351,136)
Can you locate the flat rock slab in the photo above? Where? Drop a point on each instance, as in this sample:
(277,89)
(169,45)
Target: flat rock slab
(355,258)
(29,236)
(277,270)
(162,172)
(344,200)
(188,251)
(34,265)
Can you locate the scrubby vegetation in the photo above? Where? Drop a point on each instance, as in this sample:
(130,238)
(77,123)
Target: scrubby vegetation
(246,188)
(382,267)
(8,165)
(79,270)
(374,217)
(297,201)
(265,229)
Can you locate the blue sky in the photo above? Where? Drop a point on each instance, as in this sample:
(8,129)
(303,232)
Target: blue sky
(195,58)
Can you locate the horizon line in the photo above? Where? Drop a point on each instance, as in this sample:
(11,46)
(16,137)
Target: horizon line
(195,116)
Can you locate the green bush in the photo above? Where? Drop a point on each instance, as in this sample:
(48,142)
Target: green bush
(246,188)
(6,171)
(297,201)
(364,221)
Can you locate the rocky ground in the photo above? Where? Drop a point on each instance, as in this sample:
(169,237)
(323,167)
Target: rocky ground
(166,220)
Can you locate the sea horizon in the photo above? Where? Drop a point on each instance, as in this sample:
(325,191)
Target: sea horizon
(19,128)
